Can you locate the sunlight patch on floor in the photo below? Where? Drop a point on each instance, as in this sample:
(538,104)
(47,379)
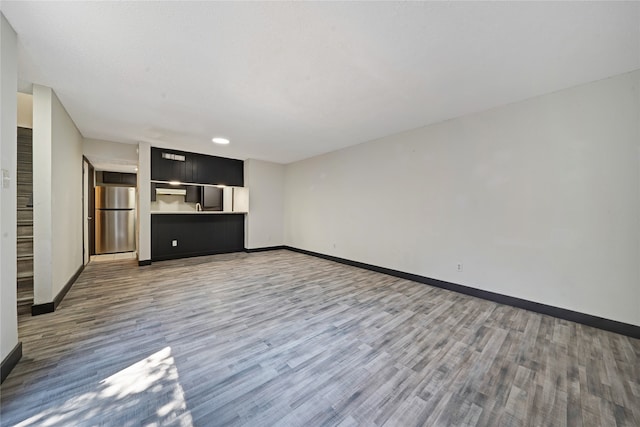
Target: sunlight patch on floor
(124,397)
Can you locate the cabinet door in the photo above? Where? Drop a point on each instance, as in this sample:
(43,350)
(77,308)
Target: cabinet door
(129,178)
(196,235)
(231,171)
(196,168)
(119,178)
(178,168)
(201,169)
(111,177)
(220,171)
(188,168)
(158,165)
(163,169)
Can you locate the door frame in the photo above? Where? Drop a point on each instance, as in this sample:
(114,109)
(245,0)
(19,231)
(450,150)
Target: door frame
(88,208)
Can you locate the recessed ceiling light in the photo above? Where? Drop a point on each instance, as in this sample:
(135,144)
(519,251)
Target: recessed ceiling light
(222,141)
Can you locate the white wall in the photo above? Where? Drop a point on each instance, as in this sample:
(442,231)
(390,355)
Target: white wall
(111,156)
(8,138)
(264,222)
(66,197)
(539,200)
(57,195)
(42,189)
(25,110)
(144,202)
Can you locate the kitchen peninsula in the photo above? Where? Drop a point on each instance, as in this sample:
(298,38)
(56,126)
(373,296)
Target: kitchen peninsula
(198,204)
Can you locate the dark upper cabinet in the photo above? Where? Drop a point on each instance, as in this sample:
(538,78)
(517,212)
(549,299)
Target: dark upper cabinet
(196,168)
(129,178)
(119,178)
(188,168)
(178,170)
(220,170)
(167,169)
(110,177)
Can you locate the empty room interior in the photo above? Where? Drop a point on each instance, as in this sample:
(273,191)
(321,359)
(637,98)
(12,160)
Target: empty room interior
(320,213)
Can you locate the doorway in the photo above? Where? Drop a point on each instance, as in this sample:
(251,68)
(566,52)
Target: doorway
(88,207)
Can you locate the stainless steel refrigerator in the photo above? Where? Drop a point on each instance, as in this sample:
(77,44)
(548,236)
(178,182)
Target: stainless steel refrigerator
(115,219)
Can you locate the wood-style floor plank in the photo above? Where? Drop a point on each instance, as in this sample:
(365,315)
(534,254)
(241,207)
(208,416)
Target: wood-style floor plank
(282,338)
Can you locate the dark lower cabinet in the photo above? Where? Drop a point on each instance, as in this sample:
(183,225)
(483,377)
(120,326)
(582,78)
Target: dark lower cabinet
(195,235)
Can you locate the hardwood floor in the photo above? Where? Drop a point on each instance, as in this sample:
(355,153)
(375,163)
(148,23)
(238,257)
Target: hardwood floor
(282,338)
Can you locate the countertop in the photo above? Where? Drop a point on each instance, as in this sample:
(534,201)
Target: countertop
(195,212)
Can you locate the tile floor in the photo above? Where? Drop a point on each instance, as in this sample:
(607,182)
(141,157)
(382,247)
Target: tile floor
(113,257)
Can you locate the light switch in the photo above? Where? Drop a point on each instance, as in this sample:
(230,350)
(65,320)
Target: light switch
(6,178)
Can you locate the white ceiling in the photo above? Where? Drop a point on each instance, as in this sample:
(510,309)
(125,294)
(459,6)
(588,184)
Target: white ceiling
(286,81)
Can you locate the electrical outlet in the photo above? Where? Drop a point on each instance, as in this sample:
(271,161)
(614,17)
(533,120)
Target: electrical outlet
(459,267)
(174,243)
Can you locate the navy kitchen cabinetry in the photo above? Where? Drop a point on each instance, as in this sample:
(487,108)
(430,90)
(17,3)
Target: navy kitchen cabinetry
(170,167)
(186,234)
(219,171)
(195,168)
(119,178)
(195,235)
